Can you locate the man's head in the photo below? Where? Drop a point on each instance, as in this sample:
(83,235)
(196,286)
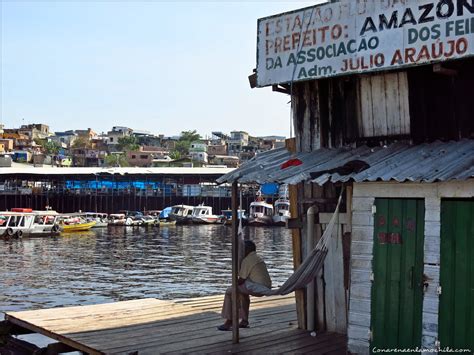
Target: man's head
(249,247)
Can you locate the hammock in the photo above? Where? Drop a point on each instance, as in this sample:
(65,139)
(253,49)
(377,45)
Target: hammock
(308,269)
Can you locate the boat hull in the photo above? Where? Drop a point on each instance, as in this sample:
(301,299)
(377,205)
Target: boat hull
(260,221)
(167,223)
(80,227)
(280,220)
(206,220)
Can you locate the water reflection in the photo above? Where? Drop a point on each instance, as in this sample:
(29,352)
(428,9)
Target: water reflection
(125,263)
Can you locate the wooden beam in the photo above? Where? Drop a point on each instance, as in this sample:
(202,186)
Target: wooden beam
(297,258)
(235,263)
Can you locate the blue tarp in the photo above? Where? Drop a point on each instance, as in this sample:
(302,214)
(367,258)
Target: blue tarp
(269,189)
(165,213)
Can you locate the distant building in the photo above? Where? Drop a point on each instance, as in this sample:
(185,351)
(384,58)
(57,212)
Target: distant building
(116,133)
(198,152)
(86,134)
(237,140)
(147,156)
(66,137)
(6,145)
(227,160)
(220,149)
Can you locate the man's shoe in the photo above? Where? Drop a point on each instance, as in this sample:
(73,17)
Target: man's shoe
(244,324)
(224,327)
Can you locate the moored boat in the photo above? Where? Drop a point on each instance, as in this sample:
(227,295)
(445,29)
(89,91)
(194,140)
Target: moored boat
(182,214)
(16,224)
(203,215)
(261,212)
(282,212)
(46,223)
(75,223)
(119,219)
(148,221)
(99,218)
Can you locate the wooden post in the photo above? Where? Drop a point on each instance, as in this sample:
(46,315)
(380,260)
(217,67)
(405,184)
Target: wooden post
(235,263)
(290,145)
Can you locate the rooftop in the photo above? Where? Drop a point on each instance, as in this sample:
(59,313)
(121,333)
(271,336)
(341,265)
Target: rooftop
(429,162)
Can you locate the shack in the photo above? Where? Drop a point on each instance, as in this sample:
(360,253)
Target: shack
(381,95)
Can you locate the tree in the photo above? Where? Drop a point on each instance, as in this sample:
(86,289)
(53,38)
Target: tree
(116,160)
(175,155)
(182,145)
(51,148)
(128,144)
(81,142)
(189,136)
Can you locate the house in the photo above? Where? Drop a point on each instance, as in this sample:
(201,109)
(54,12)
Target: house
(116,133)
(86,134)
(35,131)
(66,138)
(6,145)
(147,156)
(237,140)
(198,152)
(220,149)
(389,128)
(225,160)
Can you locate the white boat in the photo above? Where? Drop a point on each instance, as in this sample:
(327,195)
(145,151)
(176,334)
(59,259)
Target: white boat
(282,212)
(45,223)
(16,224)
(100,219)
(182,214)
(261,213)
(148,221)
(227,217)
(119,219)
(203,215)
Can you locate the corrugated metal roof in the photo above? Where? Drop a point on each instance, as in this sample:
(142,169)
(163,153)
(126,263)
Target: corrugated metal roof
(113,171)
(437,161)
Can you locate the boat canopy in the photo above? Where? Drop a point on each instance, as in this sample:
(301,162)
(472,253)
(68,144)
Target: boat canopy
(165,213)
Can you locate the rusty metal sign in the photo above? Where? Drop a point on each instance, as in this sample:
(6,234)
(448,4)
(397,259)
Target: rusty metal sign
(362,36)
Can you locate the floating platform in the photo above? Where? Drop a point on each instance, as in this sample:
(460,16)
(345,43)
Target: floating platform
(151,326)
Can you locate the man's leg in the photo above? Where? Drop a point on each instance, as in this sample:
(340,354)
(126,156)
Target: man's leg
(244,305)
(227,305)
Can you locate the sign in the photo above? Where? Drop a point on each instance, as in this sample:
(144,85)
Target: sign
(358,36)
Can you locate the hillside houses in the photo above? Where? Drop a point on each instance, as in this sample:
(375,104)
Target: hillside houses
(124,146)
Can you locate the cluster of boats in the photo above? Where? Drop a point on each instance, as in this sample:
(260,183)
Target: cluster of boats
(260,213)
(21,222)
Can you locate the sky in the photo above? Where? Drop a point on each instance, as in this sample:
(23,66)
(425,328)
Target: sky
(164,67)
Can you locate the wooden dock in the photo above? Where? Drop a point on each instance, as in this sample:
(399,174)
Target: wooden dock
(151,326)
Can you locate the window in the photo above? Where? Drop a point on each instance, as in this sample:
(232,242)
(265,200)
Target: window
(111,139)
(134,156)
(143,156)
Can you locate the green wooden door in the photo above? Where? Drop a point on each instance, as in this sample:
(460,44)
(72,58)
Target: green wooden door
(456,307)
(397,289)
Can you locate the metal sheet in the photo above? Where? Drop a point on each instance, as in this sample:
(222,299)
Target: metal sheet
(437,161)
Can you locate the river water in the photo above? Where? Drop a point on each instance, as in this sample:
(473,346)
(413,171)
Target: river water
(116,264)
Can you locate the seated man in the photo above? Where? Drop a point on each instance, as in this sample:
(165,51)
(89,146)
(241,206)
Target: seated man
(252,276)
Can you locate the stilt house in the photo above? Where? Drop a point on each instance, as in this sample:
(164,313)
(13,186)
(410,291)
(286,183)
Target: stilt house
(382,99)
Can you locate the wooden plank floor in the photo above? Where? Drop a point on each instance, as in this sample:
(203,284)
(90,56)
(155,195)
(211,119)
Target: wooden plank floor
(151,326)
